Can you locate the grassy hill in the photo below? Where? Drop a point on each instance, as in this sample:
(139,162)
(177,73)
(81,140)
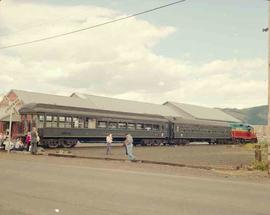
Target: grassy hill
(254,115)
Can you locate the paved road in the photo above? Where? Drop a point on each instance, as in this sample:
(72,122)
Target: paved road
(36,188)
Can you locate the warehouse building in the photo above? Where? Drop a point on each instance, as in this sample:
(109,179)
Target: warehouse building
(78,100)
(201,113)
(175,109)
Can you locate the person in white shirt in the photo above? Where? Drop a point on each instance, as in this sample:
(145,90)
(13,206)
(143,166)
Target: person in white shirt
(129,146)
(109,140)
(19,145)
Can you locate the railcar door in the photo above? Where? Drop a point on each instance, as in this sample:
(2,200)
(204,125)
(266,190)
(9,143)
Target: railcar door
(171,133)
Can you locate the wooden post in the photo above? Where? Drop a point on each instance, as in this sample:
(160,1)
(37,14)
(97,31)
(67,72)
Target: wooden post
(10,130)
(258,153)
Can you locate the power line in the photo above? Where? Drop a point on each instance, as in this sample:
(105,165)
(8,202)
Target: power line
(90,27)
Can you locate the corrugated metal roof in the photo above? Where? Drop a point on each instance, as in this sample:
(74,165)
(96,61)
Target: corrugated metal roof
(32,97)
(120,105)
(96,103)
(205,113)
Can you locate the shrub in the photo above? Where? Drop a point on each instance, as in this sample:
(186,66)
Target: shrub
(263,166)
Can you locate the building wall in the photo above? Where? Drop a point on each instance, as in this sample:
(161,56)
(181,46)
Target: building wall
(15,125)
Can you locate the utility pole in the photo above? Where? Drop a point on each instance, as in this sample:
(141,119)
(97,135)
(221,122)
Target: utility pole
(268,125)
(11,110)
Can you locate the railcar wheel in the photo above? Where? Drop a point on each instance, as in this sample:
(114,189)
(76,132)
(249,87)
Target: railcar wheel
(52,143)
(143,143)
(74,143)
(68,143)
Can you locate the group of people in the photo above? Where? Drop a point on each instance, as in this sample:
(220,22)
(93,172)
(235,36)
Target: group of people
(30,144)
(128,144)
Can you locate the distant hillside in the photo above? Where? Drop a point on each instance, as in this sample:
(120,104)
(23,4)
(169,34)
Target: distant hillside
(254,115)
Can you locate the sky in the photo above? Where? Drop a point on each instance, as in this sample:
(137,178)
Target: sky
(205,52)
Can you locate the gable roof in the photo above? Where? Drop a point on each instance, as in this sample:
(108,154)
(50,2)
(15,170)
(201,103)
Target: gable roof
(96,103)
(203,113)
(28,97)
(121,105)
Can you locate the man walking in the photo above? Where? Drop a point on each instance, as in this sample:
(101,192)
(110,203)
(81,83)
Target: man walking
(129,146)
(109,140)
(34,141)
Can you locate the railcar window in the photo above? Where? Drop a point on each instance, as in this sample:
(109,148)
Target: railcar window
(41,118)
(112,125)
(131,126)
(139,126)
(48,118)
(156,127)
(54,121)
(102,124)
(148,127)
(48,121)
(81,123)
(40,121)
(62,119)
(35,121)
(92,123)
(177,128)
(68,122)
(75,122)
(122,125)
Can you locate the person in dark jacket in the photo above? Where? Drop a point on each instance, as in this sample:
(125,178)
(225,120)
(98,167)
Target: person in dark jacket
(34,141)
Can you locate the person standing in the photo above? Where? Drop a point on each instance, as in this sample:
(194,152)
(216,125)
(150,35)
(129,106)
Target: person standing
(1,141)
(28,141)
(109,140)
(129,146)
(34,141)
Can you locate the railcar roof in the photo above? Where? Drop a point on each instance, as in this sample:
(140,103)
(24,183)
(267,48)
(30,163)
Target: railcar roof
(199,122)
(55,109)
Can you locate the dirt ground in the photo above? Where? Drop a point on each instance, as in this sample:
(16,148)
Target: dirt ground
(216,156)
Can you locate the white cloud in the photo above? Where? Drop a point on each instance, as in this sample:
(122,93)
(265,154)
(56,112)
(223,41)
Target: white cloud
(115,60)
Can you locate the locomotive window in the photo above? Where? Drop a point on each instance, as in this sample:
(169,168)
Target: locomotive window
(112,125)
(156,127)
(102,124)
(122,125)
(131,126)
(148,127)
(139,126)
